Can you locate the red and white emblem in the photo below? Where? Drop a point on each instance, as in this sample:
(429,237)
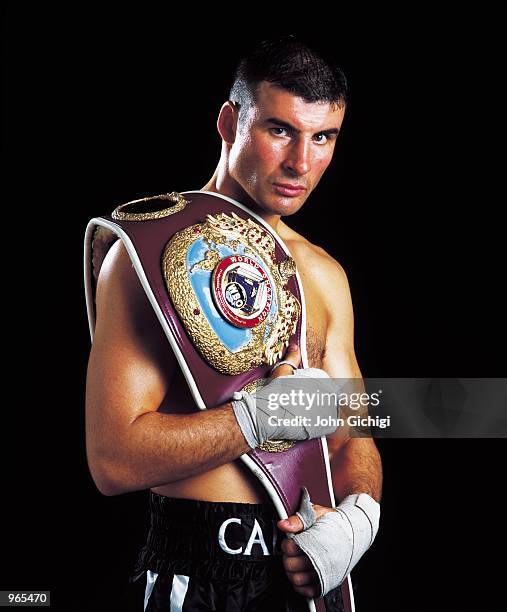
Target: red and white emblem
(242,290)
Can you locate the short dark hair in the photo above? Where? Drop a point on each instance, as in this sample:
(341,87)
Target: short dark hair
(293,65)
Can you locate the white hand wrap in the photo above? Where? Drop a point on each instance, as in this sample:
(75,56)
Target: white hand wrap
(253,413)
(337,540)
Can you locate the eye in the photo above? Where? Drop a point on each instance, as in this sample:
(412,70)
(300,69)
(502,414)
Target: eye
(321,138)
(279,131)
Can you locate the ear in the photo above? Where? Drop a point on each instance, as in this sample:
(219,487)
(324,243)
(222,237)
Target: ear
(227,122)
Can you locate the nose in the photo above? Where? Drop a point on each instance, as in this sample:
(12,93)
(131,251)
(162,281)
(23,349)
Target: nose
(298,161)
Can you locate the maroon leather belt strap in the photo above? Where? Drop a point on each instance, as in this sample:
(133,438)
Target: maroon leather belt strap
(282,473)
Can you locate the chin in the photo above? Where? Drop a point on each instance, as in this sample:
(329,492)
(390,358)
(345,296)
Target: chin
(275,204)
(284,206)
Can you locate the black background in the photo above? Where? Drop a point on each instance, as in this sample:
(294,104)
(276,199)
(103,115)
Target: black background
(104,108)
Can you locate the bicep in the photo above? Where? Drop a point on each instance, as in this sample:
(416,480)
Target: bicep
(130,361)
(340,359)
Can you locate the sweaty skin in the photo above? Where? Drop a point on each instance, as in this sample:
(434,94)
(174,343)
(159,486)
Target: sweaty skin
(131,443)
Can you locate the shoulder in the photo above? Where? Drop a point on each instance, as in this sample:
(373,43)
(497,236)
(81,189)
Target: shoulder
(314,261)
(117,273)
(120,298)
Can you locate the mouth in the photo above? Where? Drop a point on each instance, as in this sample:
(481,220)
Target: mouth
(287,189)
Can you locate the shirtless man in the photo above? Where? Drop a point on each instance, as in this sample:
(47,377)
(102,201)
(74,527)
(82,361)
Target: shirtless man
(276,145)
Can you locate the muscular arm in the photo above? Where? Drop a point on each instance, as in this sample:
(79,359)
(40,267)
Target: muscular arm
(131,446)
(355,462)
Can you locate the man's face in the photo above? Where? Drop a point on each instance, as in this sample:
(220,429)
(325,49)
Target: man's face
(282,148)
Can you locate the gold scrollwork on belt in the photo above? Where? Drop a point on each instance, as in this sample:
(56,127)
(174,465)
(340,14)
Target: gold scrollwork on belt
(276,446)
(269,446)
(265,345)
(155,207)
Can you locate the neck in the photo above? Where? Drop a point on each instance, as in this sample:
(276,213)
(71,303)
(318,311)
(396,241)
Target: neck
(222,182)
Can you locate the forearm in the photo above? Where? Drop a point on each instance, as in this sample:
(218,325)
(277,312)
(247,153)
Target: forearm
(159,448)
(356,468)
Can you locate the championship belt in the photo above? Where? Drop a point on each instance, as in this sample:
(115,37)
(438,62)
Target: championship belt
(229,299)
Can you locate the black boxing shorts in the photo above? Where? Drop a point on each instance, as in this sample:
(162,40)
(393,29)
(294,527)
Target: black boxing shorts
(219,556)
